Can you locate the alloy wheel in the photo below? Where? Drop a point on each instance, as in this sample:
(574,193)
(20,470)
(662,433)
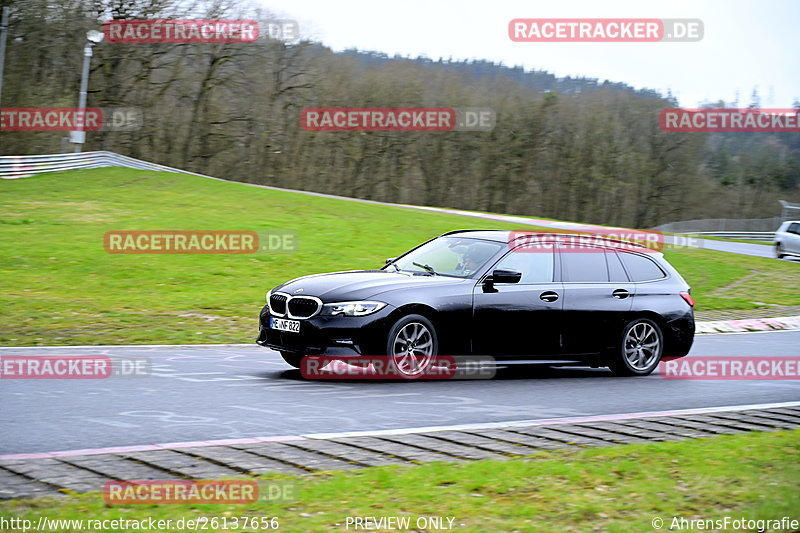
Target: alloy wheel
(412,348)
(642,346)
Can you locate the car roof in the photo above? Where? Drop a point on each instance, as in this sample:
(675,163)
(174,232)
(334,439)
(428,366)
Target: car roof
(504,236)
(485,234)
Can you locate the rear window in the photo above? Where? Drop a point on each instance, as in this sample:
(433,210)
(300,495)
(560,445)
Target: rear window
(641,268)
(615,270)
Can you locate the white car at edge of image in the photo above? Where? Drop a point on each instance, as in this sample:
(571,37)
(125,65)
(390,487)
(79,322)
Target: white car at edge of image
(787,239)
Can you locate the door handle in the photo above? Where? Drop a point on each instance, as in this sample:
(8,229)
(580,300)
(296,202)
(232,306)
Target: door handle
(549,296)
(620,293)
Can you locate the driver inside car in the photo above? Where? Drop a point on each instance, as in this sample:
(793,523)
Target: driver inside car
(474,256)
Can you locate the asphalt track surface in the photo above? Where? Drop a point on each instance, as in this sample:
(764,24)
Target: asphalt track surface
(200,393)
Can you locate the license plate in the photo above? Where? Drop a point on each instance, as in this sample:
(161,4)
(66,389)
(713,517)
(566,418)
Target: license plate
(283,324)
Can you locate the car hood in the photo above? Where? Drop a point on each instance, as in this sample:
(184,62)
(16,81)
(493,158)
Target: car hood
(359,284)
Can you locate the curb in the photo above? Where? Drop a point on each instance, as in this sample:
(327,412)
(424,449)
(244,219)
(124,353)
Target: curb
(781,323)
(56,473)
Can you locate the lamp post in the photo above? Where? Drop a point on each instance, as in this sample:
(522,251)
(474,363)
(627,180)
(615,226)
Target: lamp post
(92,38)
(3,33)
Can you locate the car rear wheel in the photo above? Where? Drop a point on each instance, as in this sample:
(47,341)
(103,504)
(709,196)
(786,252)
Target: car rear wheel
(412,345)
(640,349)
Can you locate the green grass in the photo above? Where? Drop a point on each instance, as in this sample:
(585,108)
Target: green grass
(722,280)
(61,287)
(620,488)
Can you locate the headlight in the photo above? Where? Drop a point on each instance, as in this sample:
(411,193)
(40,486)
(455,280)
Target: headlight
(352,308)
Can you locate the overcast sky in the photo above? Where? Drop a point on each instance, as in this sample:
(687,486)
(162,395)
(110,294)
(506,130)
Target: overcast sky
(747,44)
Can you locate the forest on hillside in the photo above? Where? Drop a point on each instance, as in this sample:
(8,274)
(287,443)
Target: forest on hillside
(570,148)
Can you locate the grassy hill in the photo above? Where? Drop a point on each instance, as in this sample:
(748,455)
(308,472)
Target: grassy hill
(61,287)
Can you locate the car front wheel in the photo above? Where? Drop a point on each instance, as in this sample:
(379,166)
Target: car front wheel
(779,251)
(412,345)
(640,349)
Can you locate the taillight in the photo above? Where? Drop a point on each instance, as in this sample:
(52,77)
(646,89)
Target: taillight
(688,298)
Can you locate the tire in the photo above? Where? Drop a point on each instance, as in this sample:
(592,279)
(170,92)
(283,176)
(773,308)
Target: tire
(292,358)
(412,345)
(779,251)
(640,349)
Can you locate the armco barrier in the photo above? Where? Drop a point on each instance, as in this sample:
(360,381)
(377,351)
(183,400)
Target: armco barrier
(713,225)
(767,236)
(22,166)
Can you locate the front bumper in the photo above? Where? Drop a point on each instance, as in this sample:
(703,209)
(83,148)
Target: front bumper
(329,335)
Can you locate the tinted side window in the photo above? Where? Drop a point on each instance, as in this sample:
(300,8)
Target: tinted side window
(615,270)
(584,266)
(794,228)
(641,268)
(536,267)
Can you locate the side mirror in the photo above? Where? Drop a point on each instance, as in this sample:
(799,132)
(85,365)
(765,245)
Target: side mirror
(390,260)
(505,276)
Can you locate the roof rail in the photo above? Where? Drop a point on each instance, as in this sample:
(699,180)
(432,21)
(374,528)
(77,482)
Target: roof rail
(610,239)
(600,236)
(465,230)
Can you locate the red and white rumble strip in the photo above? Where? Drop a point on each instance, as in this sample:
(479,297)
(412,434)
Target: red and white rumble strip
(781,323)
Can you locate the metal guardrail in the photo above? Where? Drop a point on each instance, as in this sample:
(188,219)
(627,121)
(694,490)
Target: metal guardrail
(22,166)
(767,236)
(723,225)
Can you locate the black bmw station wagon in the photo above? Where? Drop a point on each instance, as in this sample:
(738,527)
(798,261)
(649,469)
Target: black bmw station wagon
(484,292)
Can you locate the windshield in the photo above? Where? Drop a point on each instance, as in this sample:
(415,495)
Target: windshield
(448,256)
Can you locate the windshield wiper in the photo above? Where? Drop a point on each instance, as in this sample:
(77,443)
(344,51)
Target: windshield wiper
(427,268)
(397,268)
